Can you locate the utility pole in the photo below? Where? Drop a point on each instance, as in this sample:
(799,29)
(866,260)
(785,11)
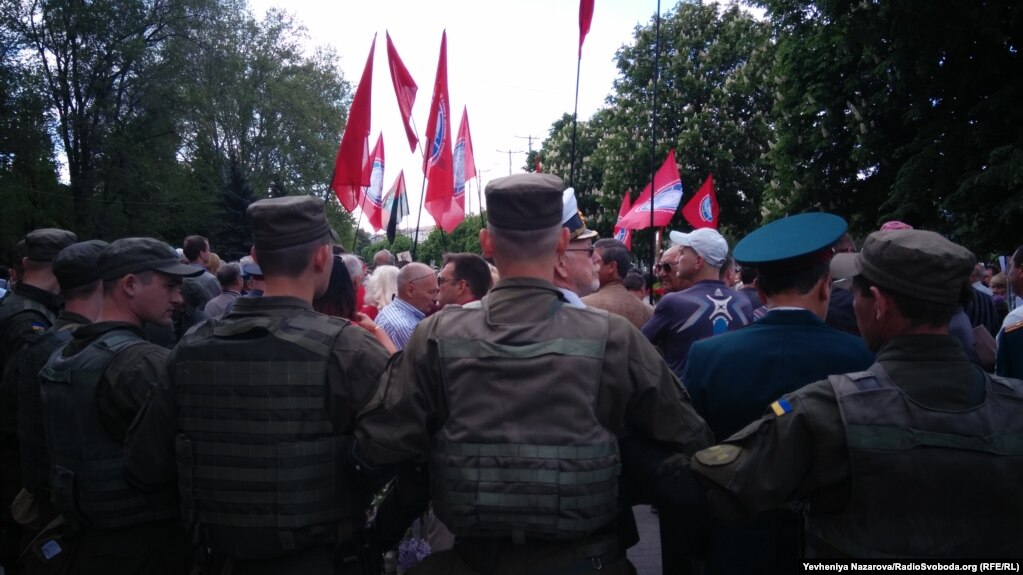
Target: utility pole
(530,139)
(510,152)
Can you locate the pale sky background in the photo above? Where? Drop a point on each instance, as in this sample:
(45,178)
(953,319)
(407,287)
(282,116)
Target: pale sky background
(512,64)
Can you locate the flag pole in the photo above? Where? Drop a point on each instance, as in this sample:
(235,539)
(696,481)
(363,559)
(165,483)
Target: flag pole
(422,190)
(575,118)
(655,237)
(355,231)
(479,196)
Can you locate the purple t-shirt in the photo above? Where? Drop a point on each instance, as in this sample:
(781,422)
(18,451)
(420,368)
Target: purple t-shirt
(705,309)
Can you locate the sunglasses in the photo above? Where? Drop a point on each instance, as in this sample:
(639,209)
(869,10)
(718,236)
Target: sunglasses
(666,268)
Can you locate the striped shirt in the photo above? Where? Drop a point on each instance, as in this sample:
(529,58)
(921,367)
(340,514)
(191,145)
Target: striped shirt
(398,320)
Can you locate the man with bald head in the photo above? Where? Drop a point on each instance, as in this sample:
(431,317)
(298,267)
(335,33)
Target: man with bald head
(666,271)
(417,294)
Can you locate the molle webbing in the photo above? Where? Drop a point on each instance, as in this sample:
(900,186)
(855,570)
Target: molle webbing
(257,455)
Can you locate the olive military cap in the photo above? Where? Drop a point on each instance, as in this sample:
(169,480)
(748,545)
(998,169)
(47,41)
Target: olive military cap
(44,244)
(525,202)
(289,221)
(917,263)
(135,255)
(78,264)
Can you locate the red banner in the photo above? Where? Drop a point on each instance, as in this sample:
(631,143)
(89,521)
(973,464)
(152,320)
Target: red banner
(702,210)
(668,194)
(405,89)
(439,164)
(352,167)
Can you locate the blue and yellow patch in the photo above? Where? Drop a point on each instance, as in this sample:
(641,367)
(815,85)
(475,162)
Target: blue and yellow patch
(39,326)
(781,407)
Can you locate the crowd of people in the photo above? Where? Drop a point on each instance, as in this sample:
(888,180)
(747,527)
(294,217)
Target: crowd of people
(295,411)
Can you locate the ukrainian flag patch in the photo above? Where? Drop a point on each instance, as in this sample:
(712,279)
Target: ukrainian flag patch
(781,407)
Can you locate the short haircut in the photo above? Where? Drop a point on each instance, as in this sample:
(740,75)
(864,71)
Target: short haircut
(473,270)
(613,250)
(633,281)
(917,311)
(525,245)
(726,264)
(193,246)
(80,292)
(390,257)
(290,261)
(747,274)
(228,274)
(353,264)
(800,282)
(145,278)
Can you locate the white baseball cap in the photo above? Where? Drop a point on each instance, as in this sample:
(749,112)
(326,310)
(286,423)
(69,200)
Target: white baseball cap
(707,242)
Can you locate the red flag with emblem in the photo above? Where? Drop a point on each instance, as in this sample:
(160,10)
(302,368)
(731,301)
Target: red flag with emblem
(621,234)
(668,193)
(352,166)
(702,210)
(373,195)
(439,164)
(405,89)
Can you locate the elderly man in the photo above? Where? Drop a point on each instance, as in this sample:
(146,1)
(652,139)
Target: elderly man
(92,389)
(666,271)
(417,294)
(515,402)
(708,307)
(575,273)
(463,278)
(612,296)
(255,412)
(914,457)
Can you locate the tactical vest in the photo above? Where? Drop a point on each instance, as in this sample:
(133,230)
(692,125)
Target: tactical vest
(11,305)
(35,460)
(87,470)
(257,453)
(521,452)
(927,482)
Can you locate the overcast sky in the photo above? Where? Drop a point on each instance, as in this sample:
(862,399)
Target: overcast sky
(512,64)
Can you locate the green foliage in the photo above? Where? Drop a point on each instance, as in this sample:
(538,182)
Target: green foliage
(401,244)
(901,110)
(711,107)
(173,117)
(464,238)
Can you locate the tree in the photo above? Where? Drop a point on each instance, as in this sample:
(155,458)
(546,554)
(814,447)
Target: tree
(712,107)
(901,110)
(464,238)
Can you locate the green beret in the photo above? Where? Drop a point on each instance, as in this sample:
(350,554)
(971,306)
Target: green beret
(289,221)
(917,263)
(44,244)
(525,202)
(134,255)
(78,264)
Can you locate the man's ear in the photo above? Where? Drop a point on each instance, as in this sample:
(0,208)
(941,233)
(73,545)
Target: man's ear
(824,289)
(883,304)
(321,256)
(486,244)
(563,240)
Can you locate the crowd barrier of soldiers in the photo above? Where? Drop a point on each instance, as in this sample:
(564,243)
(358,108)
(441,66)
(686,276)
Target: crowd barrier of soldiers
(288,414)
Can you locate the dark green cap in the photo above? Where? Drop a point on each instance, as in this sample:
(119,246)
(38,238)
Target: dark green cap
(525,202)
(917,263)
(78,264)
(44,244)
(134,255)
(289,221)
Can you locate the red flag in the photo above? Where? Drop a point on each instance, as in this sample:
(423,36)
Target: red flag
(621,234)
(465,163)
(372,195)
(352,167)
(405,89)
(439,165)
(396,204)
(668,184)
(539,168)
(702,210)
(585,17)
